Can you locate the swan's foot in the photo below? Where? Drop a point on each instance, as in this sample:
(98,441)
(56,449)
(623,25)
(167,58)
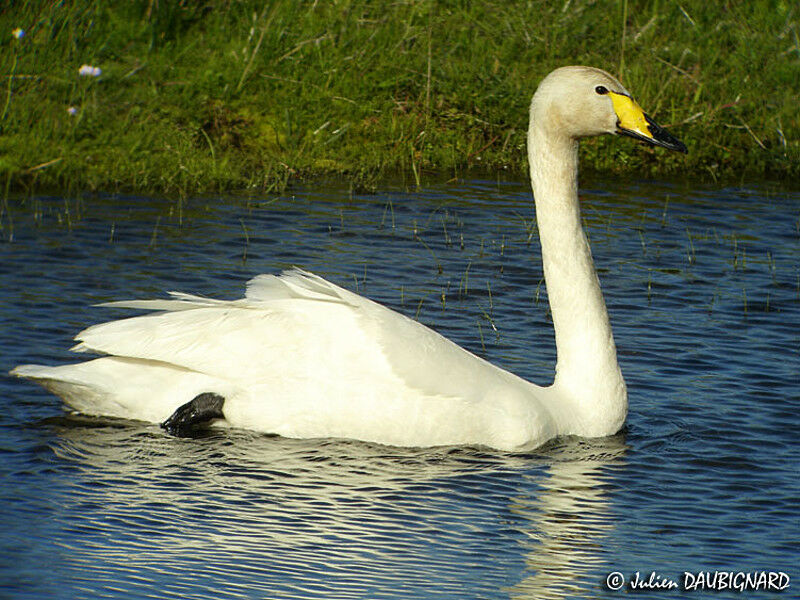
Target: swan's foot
(201,410)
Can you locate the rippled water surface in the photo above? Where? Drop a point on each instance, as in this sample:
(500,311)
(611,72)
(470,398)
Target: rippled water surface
(703,287)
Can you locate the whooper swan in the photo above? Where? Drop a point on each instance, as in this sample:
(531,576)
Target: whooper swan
(301,357)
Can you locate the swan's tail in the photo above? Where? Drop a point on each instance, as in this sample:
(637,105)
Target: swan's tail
(120,387)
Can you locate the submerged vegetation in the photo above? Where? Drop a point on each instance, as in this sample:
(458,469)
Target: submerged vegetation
(187,97)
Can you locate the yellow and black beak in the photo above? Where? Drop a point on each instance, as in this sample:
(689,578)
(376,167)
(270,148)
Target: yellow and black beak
(634,122)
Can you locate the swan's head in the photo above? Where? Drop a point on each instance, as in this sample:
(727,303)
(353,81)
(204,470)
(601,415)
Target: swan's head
(583,101)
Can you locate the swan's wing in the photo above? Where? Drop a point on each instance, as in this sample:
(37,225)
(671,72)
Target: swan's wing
(298,284)
(296,326)
(419,356)
(292,284)
(425,359)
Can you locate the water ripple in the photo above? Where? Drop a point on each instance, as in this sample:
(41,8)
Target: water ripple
(703,290)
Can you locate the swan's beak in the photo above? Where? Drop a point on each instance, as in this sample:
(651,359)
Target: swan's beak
(634,122)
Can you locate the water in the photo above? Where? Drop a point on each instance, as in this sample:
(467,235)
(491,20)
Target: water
(703,287)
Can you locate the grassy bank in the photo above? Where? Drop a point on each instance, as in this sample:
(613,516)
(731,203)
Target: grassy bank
(219,94)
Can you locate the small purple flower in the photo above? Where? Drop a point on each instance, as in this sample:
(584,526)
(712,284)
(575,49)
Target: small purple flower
(89,71)
(72,110)
(18,33)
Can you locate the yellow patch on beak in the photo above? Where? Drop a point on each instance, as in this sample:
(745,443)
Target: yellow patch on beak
(630,115)
(632,121)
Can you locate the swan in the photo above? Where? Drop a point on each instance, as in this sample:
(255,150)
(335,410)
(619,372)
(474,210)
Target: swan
(301,357)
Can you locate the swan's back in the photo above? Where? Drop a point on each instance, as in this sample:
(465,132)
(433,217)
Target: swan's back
(301,357)
(294,318)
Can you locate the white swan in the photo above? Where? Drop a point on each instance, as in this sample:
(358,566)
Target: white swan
(301,357)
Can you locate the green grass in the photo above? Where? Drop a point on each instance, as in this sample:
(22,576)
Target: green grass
(224,95)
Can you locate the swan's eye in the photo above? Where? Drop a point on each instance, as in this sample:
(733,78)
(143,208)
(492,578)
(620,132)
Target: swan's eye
(601,89)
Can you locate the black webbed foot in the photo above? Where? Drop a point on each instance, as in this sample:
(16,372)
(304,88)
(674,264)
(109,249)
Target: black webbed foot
(199,411)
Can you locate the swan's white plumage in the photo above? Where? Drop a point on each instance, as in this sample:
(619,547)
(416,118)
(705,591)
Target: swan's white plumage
(302,357)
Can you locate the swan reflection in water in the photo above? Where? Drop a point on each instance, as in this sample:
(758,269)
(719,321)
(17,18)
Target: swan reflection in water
(570,516)
(236,513)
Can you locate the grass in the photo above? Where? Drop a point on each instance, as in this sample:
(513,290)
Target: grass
(223,95)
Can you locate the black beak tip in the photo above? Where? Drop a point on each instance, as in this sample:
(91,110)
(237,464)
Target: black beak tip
(678,146)
(660,137)
(663,138)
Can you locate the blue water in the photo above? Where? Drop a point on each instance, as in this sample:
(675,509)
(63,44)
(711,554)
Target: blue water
(703,287)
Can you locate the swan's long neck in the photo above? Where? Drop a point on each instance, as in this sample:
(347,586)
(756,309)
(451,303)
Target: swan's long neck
(587,372)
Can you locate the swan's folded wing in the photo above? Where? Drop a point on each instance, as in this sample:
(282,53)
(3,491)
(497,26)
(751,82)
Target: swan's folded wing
(282,319)
(421,357)
(424,359)
(227,341)
(296,327)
